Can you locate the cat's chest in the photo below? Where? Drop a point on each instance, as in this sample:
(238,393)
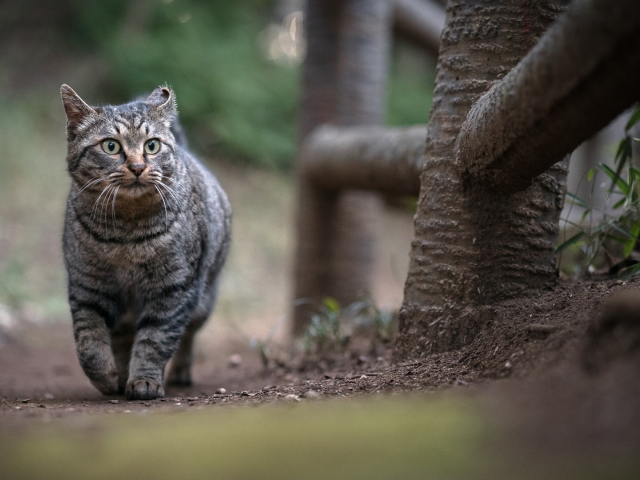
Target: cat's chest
(148,264)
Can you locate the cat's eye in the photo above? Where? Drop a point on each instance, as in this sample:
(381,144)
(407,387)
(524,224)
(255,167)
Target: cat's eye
(152,146)
(111,146)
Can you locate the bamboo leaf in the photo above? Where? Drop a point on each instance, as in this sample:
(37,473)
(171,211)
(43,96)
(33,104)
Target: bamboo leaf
(590,174)
(577,200)
(629,244)
(619,203)
(622,231)
(627,273)
(584,215)
(570,242)
(616,180)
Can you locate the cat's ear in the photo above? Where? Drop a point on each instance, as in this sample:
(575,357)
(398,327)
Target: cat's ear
(75,108)
(163,99)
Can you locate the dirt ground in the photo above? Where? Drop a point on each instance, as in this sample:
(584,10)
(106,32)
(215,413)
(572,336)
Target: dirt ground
(563,374)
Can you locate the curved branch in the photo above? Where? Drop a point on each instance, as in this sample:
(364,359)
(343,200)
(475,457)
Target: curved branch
(369,158)
(421,21)
(582,73)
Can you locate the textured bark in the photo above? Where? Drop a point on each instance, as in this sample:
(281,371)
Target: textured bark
(344,76)
(473,247)
(576,80)
(368,158)
(421,21)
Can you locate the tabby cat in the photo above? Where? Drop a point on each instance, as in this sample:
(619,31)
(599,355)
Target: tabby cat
(146,233)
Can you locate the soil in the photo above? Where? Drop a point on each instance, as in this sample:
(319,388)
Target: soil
(562,372)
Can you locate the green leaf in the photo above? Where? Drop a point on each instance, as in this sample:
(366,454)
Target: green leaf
(584,215)
(615,178)
(627,273)
(619,203)
(331,304)
(590,174)
(619,240)
(577,200)
(622,231)
(635,118)
(629,244)
(570,242)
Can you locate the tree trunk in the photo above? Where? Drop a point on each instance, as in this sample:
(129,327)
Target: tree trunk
(343,84)
(473,247)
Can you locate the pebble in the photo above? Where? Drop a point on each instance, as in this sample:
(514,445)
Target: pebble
(115,402)
(311,394)
(235,360)
(221,391)
(193,399)
(292,398)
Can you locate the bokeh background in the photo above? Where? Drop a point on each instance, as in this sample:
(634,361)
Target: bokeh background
(234,65)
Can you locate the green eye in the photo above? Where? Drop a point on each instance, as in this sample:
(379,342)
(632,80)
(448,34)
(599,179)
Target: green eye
(152,146)
(111,146)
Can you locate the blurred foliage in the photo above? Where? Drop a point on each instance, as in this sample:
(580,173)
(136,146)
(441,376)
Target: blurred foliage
(234,102)
(613,240)
(409,438)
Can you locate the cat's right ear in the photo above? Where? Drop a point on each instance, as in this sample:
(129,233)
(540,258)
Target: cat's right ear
(75,108)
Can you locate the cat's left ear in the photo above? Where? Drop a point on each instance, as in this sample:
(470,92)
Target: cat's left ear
(163,99)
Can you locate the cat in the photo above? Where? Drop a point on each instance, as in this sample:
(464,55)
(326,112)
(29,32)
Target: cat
(146,233)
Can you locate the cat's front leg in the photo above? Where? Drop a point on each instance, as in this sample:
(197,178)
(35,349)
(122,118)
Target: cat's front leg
(157,337)
(93,346)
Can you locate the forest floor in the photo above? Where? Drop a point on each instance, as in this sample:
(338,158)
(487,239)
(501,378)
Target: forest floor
(559,374)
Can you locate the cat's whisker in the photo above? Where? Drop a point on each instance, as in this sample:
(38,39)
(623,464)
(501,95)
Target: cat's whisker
(95,204)
(166,214)
(105,206)
(172,193)
(113,208)
(88,184)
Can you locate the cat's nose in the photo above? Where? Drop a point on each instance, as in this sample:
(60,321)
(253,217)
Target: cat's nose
(137,168)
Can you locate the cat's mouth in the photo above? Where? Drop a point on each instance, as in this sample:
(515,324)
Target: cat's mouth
(137,186)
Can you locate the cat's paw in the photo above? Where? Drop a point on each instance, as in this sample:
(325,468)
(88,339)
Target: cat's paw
(179,376)
(108,384)
(144,389)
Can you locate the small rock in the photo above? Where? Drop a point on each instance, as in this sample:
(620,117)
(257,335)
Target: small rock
(25,400)
(507,364)
(235,360)
(115,402)
(193,399)
(292,398)
(178,404)
(311,394)
(244,394)
(221,391)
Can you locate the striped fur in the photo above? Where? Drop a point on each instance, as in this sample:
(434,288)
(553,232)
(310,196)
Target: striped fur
(143,254)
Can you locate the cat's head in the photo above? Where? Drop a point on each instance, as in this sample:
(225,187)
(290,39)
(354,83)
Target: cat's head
(130,146)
